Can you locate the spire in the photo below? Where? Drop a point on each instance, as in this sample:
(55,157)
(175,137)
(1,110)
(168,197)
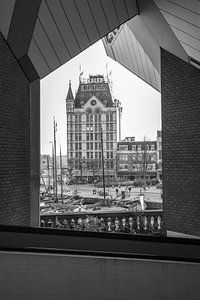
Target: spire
(69,93)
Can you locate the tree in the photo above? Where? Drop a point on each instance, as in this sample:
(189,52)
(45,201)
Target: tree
(80,165)
(143,158)
(70,169)
(94,165)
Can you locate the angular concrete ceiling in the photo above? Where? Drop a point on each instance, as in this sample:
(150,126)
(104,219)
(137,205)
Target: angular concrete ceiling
(171,24)
(183,17)
(126,50)
(45,34)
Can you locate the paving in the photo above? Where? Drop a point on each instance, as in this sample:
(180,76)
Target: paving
(151,194)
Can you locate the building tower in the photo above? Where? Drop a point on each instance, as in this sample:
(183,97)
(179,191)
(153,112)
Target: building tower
(69,111)
(92,110)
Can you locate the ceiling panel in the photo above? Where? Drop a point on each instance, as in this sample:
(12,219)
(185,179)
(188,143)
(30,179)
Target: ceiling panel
(53,33)
(126,56)
(192,5)
(188,39)
(144,36)
(179,11)
(184,20)
(145,65)
(76,23)
(131,8)
(158,79)
(6,10)
(87,19)
(120,57)
(152,72)
(99,16)
(131,49)
(131,55)
(191,51)
(45,46)
(182,25)
(135,53)
(121,10)
(116,51)
(112,18)
(64,27)
(38,60)
(109,50)
(138,56)
(146,68)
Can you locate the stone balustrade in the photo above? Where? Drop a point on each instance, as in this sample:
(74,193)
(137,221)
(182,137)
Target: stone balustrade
(147,222)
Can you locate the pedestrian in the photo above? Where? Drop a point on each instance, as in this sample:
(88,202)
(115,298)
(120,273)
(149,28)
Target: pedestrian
(116,191)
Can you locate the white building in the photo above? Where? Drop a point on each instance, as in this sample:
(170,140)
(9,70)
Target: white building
(91,113)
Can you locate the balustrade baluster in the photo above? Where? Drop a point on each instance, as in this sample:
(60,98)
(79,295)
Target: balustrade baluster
(117,223)
(123,224)
(159,222)
(138,223)
(109,224)
(131,224)
(152,221)
(145,221)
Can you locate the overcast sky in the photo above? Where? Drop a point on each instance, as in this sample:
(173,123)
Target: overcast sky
(141,103)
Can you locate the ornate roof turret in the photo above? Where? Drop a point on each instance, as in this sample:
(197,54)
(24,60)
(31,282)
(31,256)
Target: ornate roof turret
(70,96)
(96,86)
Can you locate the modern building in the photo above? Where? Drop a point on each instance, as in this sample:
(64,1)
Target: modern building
(136,159)
(91,129)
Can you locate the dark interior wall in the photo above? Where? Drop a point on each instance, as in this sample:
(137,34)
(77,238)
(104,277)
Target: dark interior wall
(180,92)
(14,140)
(49,276)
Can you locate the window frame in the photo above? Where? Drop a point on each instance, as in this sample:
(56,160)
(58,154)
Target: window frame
(32,239)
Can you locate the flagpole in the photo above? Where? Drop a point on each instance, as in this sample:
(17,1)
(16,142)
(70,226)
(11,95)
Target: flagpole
(53,176)
(55,163)
(61,187)
(80,73)
(49,183)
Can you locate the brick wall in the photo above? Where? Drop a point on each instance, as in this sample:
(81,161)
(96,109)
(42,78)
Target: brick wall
(14,141)
(181,144)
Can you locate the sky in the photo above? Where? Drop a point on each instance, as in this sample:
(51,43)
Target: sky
(141,103)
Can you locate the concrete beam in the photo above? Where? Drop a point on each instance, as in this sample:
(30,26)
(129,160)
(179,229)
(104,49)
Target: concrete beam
(22,25)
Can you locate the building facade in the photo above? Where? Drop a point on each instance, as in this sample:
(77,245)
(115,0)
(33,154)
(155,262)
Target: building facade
(136,159)
(91,129)
(159,153)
